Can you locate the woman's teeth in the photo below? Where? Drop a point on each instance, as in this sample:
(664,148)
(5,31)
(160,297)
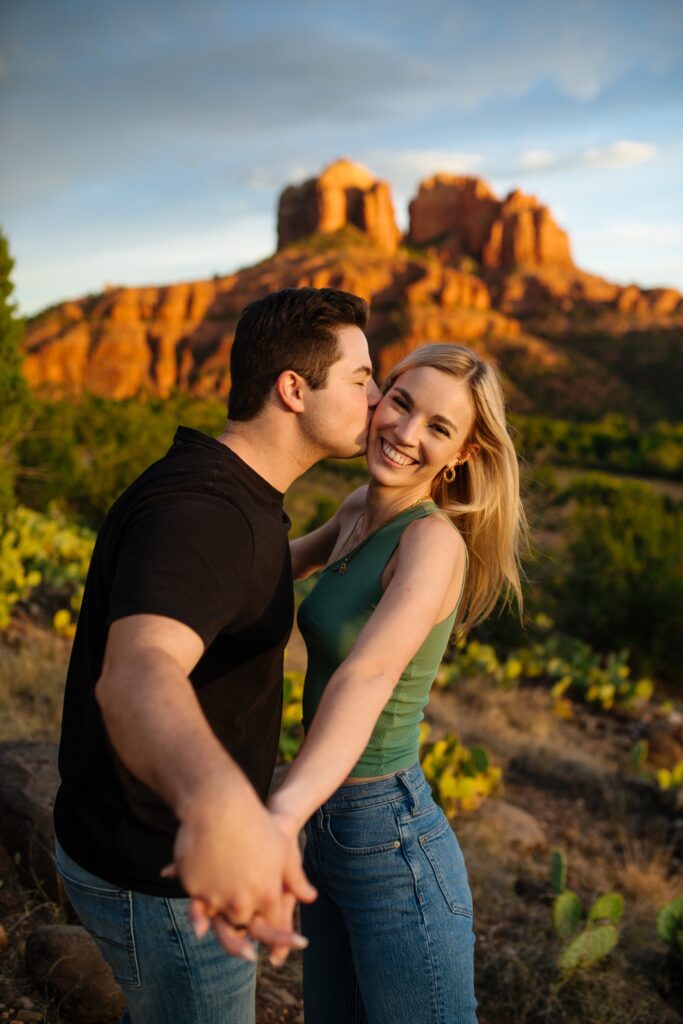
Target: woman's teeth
(394,456)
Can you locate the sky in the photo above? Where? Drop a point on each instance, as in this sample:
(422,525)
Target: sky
(147,141)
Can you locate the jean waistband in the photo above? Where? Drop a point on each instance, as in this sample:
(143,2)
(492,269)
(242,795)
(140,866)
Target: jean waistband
(407,782)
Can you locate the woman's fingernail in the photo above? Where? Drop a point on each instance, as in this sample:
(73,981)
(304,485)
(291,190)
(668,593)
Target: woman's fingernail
(248,952)
(277,961)
(299,941)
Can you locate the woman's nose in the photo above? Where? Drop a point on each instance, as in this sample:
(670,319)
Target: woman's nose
(405,430)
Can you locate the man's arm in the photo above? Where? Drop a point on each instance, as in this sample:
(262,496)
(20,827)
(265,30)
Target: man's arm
(429,568)
(227,851)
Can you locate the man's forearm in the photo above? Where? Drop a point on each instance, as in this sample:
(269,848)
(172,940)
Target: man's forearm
(339,734)
(159,731)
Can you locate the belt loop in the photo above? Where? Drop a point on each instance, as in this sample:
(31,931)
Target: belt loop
(402,776)
(319,820)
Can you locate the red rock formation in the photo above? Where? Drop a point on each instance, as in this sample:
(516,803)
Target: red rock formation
(463,217)
(345,193)
(132,340)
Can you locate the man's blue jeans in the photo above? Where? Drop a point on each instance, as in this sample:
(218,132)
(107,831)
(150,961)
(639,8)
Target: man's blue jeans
(391,939)
(167,975)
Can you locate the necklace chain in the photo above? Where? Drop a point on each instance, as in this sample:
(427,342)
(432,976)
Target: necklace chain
(345,559)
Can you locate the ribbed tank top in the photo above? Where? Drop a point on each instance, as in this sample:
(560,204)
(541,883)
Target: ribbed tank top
(331,617)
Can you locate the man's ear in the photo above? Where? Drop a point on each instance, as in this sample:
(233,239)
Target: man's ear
(290,388)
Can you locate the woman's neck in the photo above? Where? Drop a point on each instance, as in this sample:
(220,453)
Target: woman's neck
(384,503)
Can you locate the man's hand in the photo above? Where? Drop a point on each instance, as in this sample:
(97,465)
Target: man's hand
(243,873)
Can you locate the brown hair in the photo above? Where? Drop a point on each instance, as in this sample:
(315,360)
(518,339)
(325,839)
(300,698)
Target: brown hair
(293,329)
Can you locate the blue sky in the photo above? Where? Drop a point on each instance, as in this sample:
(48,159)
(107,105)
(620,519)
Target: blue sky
(148,141)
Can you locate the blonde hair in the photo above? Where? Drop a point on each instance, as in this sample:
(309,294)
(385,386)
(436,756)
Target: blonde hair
(484,499)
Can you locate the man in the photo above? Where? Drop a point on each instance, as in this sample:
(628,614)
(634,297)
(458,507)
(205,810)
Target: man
(173,696)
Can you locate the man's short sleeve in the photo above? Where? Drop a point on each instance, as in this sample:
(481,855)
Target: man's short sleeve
(187,556)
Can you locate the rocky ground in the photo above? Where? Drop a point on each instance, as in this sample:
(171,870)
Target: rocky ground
(568,785)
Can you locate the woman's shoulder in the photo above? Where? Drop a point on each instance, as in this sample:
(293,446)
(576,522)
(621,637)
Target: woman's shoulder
(435,528)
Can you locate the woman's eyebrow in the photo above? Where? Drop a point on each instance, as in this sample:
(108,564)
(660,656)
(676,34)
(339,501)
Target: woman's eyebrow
(436,417)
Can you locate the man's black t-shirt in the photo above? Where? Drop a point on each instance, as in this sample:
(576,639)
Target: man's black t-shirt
(202,538)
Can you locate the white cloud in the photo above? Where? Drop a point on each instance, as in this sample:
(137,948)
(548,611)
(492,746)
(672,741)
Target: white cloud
(620,154)
(405,169)
(650,233)
(535,159)
(624,153)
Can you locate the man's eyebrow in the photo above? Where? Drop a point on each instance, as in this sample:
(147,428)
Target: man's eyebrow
(437,417)
(365,370)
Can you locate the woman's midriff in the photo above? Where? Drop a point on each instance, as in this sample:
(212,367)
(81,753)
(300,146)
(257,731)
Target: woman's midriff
(349,781)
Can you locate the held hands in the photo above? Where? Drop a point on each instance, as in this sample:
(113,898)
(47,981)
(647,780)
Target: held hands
(242,868)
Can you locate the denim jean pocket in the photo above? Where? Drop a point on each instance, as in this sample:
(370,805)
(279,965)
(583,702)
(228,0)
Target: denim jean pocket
(364,831)
(107,914)
(447,863)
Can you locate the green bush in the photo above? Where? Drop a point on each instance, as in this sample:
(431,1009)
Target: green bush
(83,454)
(623,582)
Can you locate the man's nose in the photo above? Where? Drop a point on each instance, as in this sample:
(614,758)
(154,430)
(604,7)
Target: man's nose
(374,394)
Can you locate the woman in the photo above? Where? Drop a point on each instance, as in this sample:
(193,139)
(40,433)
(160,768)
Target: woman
(426,547)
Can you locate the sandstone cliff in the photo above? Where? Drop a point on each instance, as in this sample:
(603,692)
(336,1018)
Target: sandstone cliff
(345,193)
(494,274)
(464,218)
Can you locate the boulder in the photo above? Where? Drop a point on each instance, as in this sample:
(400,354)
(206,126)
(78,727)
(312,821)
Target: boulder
(67,959)
(28,785)
(514,826)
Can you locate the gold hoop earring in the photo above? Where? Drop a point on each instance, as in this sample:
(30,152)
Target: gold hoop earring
(449,474)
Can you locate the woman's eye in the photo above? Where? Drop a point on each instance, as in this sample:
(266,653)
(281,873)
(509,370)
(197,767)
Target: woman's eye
(441,430)
(400,402)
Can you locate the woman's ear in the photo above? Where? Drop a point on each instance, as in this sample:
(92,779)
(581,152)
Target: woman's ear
(289,388)
(469,453)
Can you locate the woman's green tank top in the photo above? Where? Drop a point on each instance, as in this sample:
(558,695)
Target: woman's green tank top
(331,617)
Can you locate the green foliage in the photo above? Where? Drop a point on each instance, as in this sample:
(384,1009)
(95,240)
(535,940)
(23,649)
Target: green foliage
(612,443)
(40,549)
(325,507)
(567,914)
(591,945)
(609,907)
(570,667)
(83,454)
(583,946)
(291,733)
(624,580)
(558,872)
(670,925)
(665,778)
(15,399)
(461,777)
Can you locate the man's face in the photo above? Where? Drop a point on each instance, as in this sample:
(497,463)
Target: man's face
(338,415)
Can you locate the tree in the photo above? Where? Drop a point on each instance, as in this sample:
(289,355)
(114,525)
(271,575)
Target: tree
(15,396)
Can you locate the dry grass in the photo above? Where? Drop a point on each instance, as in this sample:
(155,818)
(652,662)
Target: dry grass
(33,664)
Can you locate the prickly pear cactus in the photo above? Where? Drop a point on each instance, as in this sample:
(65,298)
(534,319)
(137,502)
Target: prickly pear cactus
(567,914)
(594,943)
(609,907)
(558,872)
(670,925)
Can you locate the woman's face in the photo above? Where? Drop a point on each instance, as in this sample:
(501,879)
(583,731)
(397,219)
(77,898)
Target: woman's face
(420,426)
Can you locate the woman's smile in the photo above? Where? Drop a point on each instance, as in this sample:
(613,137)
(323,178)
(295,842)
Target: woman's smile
(394,456)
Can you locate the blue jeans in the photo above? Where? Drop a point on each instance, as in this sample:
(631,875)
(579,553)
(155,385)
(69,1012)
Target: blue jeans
(167,975)
(391,939)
